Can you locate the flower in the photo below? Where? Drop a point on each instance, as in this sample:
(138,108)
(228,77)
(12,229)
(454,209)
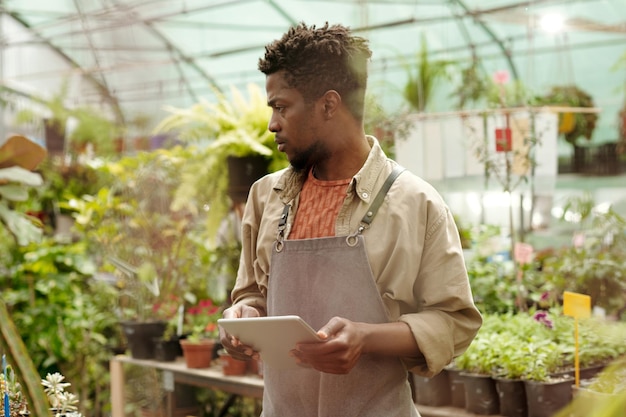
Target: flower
(201,320)
(501,77)
(166,309)
(60,399)
(542,317)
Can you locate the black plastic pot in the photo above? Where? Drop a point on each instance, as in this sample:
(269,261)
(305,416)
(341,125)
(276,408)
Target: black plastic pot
(481,396)
(544,399)
(457,388)
(140,337)
(167,350)
(242,173)
(434,392)
(512,396)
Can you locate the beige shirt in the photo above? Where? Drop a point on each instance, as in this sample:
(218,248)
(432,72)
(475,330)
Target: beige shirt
(412,244)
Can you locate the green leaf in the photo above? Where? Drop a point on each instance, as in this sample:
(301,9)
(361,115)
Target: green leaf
(13,192)
(18,223)
(21,175)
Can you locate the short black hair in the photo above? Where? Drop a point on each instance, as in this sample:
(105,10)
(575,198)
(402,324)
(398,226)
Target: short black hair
(316,60)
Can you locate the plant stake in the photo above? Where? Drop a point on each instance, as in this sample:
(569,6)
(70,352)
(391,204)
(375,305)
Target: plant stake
(181,319)
(7,409)
(577,306)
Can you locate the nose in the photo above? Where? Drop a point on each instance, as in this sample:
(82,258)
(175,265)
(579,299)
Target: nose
(273,125)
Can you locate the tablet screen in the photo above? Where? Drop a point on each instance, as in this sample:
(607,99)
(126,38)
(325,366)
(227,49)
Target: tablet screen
(273,337)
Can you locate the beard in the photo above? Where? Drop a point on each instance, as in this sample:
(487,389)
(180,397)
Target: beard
(304,160)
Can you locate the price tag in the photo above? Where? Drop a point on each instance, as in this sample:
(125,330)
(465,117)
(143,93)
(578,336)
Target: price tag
(168,381)
(523,253)
(576,305)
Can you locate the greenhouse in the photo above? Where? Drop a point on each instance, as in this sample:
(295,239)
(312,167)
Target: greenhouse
(154,155)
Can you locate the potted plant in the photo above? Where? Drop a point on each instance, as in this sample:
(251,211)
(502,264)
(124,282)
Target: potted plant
(11,390)
(54,125)
(593,264)
(92,128)
(573,126)
(199,347)
(232,130)
(167,345)
(151,250)
(477,365)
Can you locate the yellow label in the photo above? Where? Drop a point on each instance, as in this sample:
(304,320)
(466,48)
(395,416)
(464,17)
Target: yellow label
(576,305)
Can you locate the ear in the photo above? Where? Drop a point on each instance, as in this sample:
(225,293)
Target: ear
(331,101)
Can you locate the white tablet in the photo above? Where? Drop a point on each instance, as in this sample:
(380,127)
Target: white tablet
(273,337)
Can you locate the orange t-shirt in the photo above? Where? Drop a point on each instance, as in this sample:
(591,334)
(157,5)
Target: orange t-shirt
(320,202)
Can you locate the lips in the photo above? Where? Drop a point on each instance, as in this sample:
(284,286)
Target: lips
(280,144)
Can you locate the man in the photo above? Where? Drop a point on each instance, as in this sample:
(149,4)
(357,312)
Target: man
(372,261)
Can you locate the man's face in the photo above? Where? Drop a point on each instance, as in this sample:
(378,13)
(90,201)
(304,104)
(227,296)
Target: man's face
(295,123)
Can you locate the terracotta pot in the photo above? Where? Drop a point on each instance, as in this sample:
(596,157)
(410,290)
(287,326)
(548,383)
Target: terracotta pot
(232,366)
(198,354)
(255,367)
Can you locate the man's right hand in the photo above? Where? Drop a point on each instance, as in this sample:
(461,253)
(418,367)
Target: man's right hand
(233,345)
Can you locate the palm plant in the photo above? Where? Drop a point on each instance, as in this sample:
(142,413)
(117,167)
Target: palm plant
(424,77)
(235,127)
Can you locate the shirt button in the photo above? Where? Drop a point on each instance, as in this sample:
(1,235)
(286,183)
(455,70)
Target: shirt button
(365,195)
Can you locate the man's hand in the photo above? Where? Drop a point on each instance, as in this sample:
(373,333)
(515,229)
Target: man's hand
(345,341)
(233,345)
(343,346)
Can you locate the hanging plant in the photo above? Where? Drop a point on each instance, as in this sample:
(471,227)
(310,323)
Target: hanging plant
(572,96)
(229,127)
(473,85)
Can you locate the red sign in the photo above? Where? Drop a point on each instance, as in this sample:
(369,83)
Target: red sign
(503,140)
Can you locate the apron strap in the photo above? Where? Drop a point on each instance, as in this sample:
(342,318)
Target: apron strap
(380,197)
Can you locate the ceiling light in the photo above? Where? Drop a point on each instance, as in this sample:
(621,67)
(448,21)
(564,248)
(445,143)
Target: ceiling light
(552,23)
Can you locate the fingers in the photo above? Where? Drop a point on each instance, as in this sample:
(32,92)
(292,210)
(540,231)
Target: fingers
(232,344)
(247,311)
(330,329)
(338,353)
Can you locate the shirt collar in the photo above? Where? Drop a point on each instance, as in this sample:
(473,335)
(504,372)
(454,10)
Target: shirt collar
(290,182)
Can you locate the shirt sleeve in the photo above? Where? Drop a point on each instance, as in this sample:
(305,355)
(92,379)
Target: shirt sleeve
(447,319)
(251,283)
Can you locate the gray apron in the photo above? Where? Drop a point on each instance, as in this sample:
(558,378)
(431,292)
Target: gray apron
(318,279)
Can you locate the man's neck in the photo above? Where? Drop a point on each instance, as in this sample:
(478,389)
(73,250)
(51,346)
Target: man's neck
(343,165)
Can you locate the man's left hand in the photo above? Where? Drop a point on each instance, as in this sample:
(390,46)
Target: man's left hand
(342,347)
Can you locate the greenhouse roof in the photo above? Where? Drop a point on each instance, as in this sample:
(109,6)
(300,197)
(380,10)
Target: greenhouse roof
(136,56)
